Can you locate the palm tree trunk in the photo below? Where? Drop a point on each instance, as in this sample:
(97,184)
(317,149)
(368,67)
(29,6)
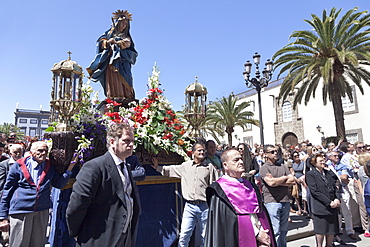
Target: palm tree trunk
(229,130)
(230,139)
(338,110)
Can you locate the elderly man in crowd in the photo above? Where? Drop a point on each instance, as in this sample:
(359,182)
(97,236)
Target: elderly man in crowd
(26,197)
(344,173)
(237,216)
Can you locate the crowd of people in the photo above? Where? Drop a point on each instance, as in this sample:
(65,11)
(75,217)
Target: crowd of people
(236,196)
(326,183)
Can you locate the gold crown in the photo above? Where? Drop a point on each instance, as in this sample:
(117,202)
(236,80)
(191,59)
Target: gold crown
(122,15)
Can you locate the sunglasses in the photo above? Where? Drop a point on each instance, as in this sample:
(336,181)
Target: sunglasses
(272,152)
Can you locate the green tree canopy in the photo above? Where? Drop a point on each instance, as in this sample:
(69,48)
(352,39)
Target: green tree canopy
(8,128)
(332,55)
(226,114)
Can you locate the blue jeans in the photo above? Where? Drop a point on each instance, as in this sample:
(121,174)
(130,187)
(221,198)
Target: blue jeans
(279,214)
(192,214)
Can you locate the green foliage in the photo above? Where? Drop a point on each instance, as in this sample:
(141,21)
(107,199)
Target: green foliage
(8,128)
(224,115)
(335,52)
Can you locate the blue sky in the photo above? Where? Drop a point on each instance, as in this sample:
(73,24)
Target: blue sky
(204,38)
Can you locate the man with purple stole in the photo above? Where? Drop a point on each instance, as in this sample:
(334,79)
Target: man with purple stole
(237,216)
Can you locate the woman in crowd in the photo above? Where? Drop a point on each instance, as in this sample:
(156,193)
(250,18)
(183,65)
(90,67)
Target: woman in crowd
(363,175)
(298,170)
(367,191)
(250,165)
(324,201)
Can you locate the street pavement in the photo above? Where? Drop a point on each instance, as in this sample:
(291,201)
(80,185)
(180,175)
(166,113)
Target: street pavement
(301,234)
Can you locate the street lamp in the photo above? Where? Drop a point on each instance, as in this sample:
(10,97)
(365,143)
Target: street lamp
(258,83)
(319,129)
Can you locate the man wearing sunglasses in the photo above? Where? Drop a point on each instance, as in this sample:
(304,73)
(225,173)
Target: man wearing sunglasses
(276,179)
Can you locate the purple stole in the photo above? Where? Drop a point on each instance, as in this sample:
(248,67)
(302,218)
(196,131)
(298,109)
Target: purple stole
(244,200)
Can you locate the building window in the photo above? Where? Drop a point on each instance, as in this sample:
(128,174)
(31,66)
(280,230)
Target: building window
(248,126)
(23,129)
(33,121)
(44,121)
(287,111)
(248,140)
(352,138)
(22,120)
(354,135)
(348,106)
(32,132)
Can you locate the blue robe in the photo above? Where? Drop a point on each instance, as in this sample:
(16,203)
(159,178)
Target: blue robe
(121,59)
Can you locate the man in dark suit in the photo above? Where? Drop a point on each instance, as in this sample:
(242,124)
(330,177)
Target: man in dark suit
(103,208)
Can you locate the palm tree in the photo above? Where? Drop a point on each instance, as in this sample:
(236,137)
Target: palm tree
(8,128)
(225,115)
(333,54)
(204,127)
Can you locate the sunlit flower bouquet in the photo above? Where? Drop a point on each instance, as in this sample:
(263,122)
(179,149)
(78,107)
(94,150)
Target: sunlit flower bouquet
(156,125)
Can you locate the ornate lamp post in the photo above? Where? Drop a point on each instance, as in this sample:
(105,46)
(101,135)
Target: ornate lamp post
(66,92)
(195,106)
(258,83)
(319,129)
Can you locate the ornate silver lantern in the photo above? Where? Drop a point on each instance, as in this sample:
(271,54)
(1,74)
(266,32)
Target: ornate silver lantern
(66,92)
(195,106)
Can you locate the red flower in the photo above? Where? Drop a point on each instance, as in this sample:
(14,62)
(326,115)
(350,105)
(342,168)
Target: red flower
(115,117)
(115,103)
(168,136)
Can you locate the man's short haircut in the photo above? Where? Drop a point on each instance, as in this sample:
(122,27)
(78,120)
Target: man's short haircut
(35,144)
(115,131)
(225,154)
(344,147)
(356,143)
(265,147)
(209,141)
(197,143)
(15,146)
(331,153)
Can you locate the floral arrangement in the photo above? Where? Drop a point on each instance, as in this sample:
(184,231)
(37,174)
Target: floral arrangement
(155,124)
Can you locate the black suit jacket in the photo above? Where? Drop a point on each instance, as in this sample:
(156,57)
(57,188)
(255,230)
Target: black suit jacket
(322,193)
(96,212)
